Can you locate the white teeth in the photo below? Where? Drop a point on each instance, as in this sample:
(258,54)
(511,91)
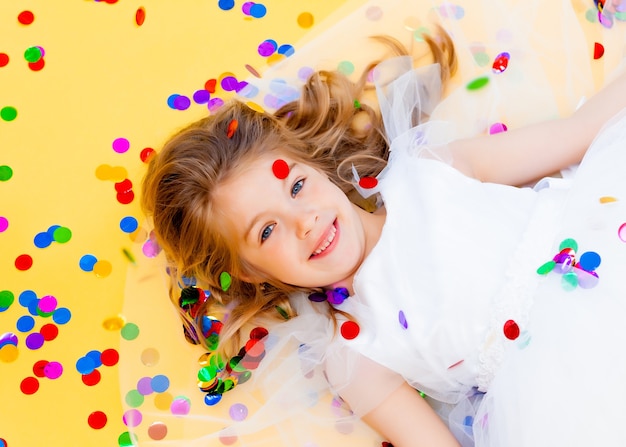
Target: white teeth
(324,245)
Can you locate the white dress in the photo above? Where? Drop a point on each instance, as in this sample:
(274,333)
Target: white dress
(450,297)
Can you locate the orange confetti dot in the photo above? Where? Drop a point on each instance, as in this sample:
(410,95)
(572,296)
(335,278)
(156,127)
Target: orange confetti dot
(140,16)
(607,199)
(232,127)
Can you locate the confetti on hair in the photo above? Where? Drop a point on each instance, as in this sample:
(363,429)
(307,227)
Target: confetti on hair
(368,182)
(280,169)
(232,127)
(357,104)
(225,281)
(283,313)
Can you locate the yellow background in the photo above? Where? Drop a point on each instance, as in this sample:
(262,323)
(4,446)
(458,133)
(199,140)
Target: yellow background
(104,78)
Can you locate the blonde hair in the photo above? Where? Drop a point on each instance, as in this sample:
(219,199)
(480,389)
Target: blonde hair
(317,129)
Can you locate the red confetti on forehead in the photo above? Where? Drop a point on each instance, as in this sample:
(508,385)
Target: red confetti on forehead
(280,168)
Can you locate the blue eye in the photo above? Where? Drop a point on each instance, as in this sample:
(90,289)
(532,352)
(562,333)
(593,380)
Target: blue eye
(297,187)
(266,232)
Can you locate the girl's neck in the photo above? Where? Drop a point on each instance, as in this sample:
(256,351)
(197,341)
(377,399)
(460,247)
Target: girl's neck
(372,226)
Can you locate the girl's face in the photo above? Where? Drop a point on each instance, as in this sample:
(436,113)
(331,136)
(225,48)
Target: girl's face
(300,230)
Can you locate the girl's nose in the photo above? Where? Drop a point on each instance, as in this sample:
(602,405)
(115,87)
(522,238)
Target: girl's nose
(305,221)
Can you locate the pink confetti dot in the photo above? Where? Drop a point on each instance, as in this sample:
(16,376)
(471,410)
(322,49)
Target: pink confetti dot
(180,406)
(4,224)
(121,145)
(53,370)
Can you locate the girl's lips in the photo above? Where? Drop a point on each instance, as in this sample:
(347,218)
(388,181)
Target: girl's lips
(332,244)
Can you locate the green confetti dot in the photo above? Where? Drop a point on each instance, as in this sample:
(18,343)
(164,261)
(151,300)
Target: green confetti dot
(357,104)
(478,83)
(62,235)
(32,54)
(620,15)
(481,58)
(225,281)
(5,173)
(130,331)
(346,67)
(134,398)
(546,268)
(127,439)
(8,113)
(418,34)
(568,243)
(569,281)
(592,15)
(6,299)
(282,312)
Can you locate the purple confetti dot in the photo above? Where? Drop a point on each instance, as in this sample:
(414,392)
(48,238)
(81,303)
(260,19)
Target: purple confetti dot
(402,320)
(215,103)
(151,249)
(34,341)
(238,412)
(305,73)
(182,102)
(229,83)
(121,145)
(53,370)
(245,8)
(144,386)
(201,96)
(180,406)
(267,48)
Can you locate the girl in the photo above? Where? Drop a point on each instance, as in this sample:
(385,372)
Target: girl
(445,279)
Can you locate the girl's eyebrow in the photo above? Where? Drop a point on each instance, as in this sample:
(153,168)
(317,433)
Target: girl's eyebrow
(250,226)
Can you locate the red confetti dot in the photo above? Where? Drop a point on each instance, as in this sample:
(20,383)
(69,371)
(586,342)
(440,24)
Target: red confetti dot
(598,50)
(37,66)
(140,16)
(146,153)
(38,368)
(232,127)
(29,385)
(97,420)
(93,378)
(511,330)
(124,186)
(49,332)
(4,59)
(26,17)
(210,85)
(258,333)
(125,197)
(109,357)
(350,330)
(280,168)
(368,182)
(23,262)
(255,348)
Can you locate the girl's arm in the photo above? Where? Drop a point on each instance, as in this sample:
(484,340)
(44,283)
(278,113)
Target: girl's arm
(406,420)
(523,155)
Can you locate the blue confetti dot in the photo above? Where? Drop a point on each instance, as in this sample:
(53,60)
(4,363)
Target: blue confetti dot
(171,99)
(212,399)
(160,383)
(25,323)
(87,262)
(26,297)
(52,229)
(85,365)
(128,224)
(589,261)
(33,307)
(96,358)
(258,10)
(43,240)
(286,49)
(226,4)
(62,315)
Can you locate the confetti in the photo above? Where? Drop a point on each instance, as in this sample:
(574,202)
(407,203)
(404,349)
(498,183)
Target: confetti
(8,113)
(511,330)
(501,62)
(598,50)
(280,169)
(232,127)
(97,420)
(478,83)
(26,17)
(4,59)
(4,224)
(368,182)
(140,16)
(350,330)
(305,20)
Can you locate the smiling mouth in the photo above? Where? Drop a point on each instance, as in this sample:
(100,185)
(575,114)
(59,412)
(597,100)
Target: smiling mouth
(330,237)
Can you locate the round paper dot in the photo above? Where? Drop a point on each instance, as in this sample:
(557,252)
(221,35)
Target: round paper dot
(134,399)
(368,182)
(23,262)
(280,168)
(160,384)
(286,50)
(42,239)
(8,113)
(85,365)
(121,145)
(4,59)
(621,232)
(49,332)
(48,304)
(305,20)
(26,297)
(91,379)
(157,431)
(96,357)
(5,171)
(6,299)
(345,67)
(568,243)
(109,357)
(226,4)
(4,224)
(128,224)
(102,269)
(97,420)
(497,128)
(180,406)
(26,17)
(32,54)
(212,399)
(38,368)
(590,261)
(87,262)
(130,331)
(511,330)
(127,439)
(37,66)
(350,330)
(140,16)
(114,323)
(182,102)
(25,323)
(144,386)
(53,370)
(62,315)
(125,197)
(238,412)
(8,353)
(267,48)
(62,235)
(150,357)
(29,385)
(258,10)
(132,418)
(146,153)
(477,83)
